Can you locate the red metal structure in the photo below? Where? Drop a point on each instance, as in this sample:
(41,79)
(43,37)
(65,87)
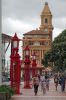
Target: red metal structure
(27,68)
(15,65)
(34,64)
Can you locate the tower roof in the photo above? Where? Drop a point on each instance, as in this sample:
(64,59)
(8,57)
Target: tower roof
(46,10)
(35,32)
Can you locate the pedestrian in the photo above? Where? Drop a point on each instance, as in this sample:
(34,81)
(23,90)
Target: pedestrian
(47,84)
(56,80)
(43,83)
(36,84)
(59,78)
(62,78)
(47,80)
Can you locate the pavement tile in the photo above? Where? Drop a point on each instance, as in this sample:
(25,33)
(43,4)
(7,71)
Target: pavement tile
(52,94)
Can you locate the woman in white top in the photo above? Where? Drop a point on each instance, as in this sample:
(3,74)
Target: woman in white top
(43,83)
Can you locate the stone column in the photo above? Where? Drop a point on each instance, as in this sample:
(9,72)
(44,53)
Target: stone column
(42,54)
(0,48)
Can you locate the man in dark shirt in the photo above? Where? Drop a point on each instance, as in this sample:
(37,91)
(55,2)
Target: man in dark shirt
(62,82)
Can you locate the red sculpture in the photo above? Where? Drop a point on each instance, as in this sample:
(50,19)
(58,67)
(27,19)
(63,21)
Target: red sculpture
(34,64)
(15,64)
(27,68)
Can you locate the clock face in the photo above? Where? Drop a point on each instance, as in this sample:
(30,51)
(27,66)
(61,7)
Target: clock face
(46,30)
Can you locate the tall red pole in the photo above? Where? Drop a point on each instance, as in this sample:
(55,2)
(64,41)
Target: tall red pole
(15,65)
(27,68)
(34,65)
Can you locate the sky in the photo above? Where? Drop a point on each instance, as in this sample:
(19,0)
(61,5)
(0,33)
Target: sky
(21,16)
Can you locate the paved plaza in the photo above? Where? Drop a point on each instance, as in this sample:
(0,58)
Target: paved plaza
(52,94)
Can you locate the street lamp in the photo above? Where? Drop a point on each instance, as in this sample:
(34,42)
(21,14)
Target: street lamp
(34,56)
(27,51)
(34,64)
(15,41)
(15,65)
(15,44)
(27,68)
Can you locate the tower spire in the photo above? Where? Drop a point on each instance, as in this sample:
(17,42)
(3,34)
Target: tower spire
(46,9)
(46,19)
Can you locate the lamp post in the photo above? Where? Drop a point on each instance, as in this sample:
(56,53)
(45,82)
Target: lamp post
(15,64)
(34,64)
(27,68)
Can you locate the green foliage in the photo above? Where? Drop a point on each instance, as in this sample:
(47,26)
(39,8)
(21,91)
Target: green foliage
(57,54)
(47,58)
(6,89)
(60,38)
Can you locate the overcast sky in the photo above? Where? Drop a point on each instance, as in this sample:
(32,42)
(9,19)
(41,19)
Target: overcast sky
(21,16)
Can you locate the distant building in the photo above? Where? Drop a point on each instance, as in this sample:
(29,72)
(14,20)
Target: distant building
(6,39)
(0,48)
(40,40)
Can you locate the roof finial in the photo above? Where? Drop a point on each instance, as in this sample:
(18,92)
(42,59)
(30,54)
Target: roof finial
(46,3)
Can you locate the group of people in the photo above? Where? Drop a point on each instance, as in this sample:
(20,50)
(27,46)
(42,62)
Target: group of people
(44,82)
(60,79)
(43,79)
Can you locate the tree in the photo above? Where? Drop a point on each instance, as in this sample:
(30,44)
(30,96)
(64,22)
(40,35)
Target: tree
(57,53)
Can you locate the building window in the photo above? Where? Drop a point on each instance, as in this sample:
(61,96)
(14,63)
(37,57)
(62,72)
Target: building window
(44,43)
(30,43)
(37,43)
(46,20)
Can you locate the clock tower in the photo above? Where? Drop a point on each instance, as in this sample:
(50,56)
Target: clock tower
(46,19)
(40,39)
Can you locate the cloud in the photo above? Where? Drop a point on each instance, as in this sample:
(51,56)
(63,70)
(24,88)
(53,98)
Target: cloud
(31,8)
(28,11)
(56,32)
(24,15)
(20,9)
(19,25)
(59,22)
(15,26)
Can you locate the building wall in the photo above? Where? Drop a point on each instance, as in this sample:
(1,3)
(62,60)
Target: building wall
(38,44)
(40,40)
(0,48)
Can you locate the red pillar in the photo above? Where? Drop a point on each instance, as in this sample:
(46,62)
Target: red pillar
(27,68)
(15,65)
(34,69)
(34,65)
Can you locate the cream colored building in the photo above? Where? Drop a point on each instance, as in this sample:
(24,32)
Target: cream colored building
(40,40)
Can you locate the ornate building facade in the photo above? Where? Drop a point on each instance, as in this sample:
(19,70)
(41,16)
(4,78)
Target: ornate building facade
(40,40)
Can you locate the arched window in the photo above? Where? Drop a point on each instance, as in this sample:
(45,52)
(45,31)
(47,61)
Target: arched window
(46,20)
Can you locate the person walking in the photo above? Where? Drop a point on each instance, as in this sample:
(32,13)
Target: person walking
(36,84)
(47,80)
(62,78)
(47,84)
(56,80)
(43,83)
